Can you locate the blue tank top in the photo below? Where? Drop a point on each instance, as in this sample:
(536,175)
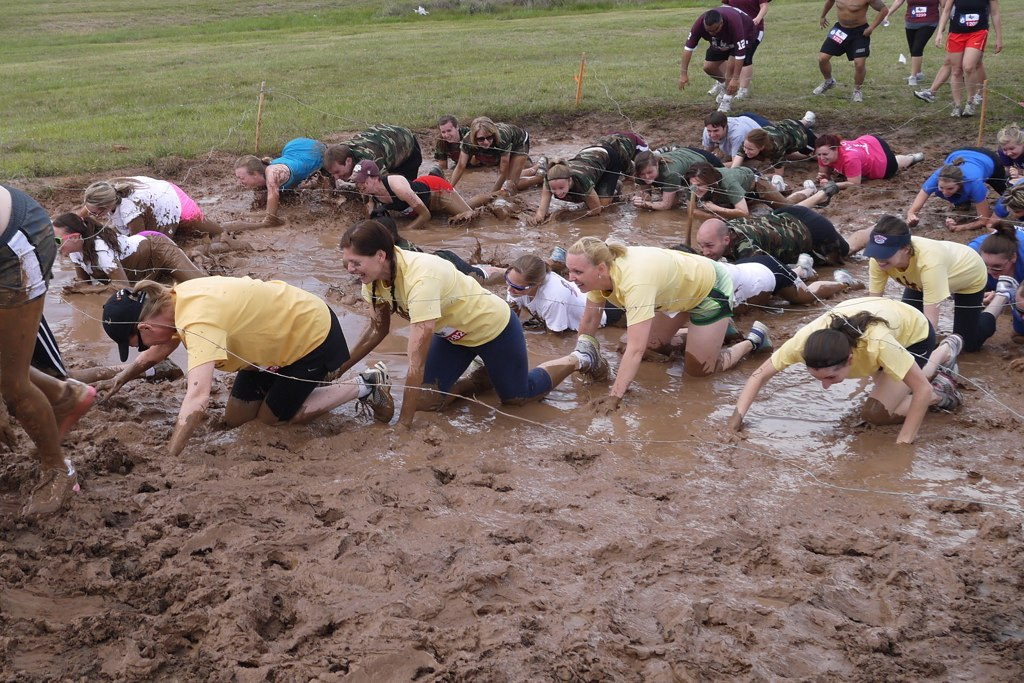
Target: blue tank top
(303,157)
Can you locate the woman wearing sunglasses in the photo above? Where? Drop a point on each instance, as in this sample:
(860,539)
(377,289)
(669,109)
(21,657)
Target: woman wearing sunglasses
(139,203)
(452,321)
(111,259)
(1003,254)
(502,144)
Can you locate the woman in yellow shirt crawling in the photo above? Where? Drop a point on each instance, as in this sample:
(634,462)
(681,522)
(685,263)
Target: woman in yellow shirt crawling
(930,271)
(453,320)
(283,342)
(884,339)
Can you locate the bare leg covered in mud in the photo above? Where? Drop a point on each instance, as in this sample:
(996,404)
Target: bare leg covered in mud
(704,353)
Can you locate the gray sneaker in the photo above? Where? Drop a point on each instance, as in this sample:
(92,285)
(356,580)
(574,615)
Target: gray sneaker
(592,363)
(845,277)
(977,99)
(956,345)
(379,400)
(916,158)
(809,119)
(858,96)
(718,87)
(956,113)
(825,86)
(949,395)
(805,264)
(968,109)
(925,95)
(1007,286)
(759,337)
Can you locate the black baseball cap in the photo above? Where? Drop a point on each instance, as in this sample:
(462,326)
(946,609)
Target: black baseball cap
(121,319)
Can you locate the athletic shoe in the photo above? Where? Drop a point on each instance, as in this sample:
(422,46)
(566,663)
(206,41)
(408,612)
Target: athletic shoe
(858,96)
(912,80)
(1007,286)
(916,158)
(956,344)
(542,166)
(779,183)
(825,86)
(830,190)
(949,395)
(805,264)
(920,76)
(810,186)
(956,113)
(845,277)
(53,490)
(926,95)
(716,88)
(559,254)
(742,93)
(968,109)
(977,99)
(725,104)
(592,363)
(69,410)
(475,381)
(809,119)
(758,336)
(379,399)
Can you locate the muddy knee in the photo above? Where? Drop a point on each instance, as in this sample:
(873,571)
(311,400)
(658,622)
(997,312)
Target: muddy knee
(430,399)
(877,414)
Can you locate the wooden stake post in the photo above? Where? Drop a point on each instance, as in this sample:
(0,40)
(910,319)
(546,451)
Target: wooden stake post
(981,118)
(579,80)
(259,115)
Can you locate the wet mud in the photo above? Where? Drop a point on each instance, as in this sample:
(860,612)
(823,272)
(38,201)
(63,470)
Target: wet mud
(541,543)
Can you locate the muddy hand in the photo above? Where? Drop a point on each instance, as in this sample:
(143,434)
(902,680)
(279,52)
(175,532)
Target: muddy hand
(1017,364)
(735,422)
(106,388)
(605,405)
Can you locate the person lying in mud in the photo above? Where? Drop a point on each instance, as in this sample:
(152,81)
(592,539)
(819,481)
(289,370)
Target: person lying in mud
(281,341)
(393,148)
(930,271)
(767,149)
(110,259)
(649,283)
(487,143)
(664,172)
(783,234)
(961,181)
(44,406)
(591,177)
(139,203)
(551,299)
(300,161)
(453,320)
(756,279)
(884,339)
(423,197)
(850,162)
(723,192)
(724,134)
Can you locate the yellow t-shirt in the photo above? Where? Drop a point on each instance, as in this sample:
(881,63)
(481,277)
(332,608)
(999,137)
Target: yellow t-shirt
(937,268)
(880,346)
(648,279)
(429,288)
(238,322)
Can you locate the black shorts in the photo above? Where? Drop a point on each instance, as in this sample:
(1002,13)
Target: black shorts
(891,165)
(918,38)
(612,313)
(286,390)
(829,246)
(410,167)
(784,275)
(46,354)
(617,167)
(713,55)
(847,41)
(922,349)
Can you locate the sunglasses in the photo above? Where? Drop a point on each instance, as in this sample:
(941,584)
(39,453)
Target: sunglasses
(512,285)
(102,211)
(484,138)
(61,240)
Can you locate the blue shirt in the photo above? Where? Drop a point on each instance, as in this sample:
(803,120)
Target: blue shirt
(303,157)
(1018,274)
(977,168)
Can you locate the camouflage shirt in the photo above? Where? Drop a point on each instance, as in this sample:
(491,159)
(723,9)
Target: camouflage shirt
(585,169)
(387,145)
(733,188)
(510,139)
(788,136)
(672,168)
(450,150)
(777,234)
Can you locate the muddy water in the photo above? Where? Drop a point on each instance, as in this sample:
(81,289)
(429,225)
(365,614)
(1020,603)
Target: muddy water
(546,544)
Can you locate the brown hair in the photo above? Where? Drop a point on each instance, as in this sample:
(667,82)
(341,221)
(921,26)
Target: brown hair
(531,267)
(252,164)
(90,229)
(717,118)
(832,346)
(448,118)
(1002,242)
(366,238)
(337,154)
(952,172)
(704,172)
(759,138)
(892,225)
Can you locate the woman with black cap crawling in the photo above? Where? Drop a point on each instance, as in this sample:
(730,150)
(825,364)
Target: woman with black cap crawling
(282,341)
(886,340)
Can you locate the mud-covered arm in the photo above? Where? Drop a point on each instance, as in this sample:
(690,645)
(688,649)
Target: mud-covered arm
(193,407)
(753,386)
(420,335)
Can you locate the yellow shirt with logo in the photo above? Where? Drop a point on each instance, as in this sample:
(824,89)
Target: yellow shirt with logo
(238,322)
(881,346)
(429,288)
(937,268)
(648,279)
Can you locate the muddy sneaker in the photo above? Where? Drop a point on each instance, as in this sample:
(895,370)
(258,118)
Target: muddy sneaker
(725,106)
(830,190)
(825,86)
(916,158)
(912,80)
(716,88)
(758,336)
(809,119)
(977,100)
(542,166)
(53,491)
(778,182)
(78,398)
(742,93)
(968,109)
(474,381)
(845,277)
(949,395)
(559,254)
(858,96)
(592,363)
(956,344)
(956,113)
(1007,286)
(925,95)
(810,186)
(379,399)
(805,266)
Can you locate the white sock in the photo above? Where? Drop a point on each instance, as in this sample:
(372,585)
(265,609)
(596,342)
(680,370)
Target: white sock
(364,388)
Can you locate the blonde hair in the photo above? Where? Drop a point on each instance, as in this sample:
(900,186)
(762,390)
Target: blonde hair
(253,164)
(158,298)
(483,123)
(597,251)
(558,169)
(531,267)
(1011,134)
(108,193)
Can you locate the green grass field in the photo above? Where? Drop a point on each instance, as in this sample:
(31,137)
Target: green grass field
(96,85)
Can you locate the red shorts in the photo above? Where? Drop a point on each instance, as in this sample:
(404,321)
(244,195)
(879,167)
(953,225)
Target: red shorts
(958,42)
(435,183)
